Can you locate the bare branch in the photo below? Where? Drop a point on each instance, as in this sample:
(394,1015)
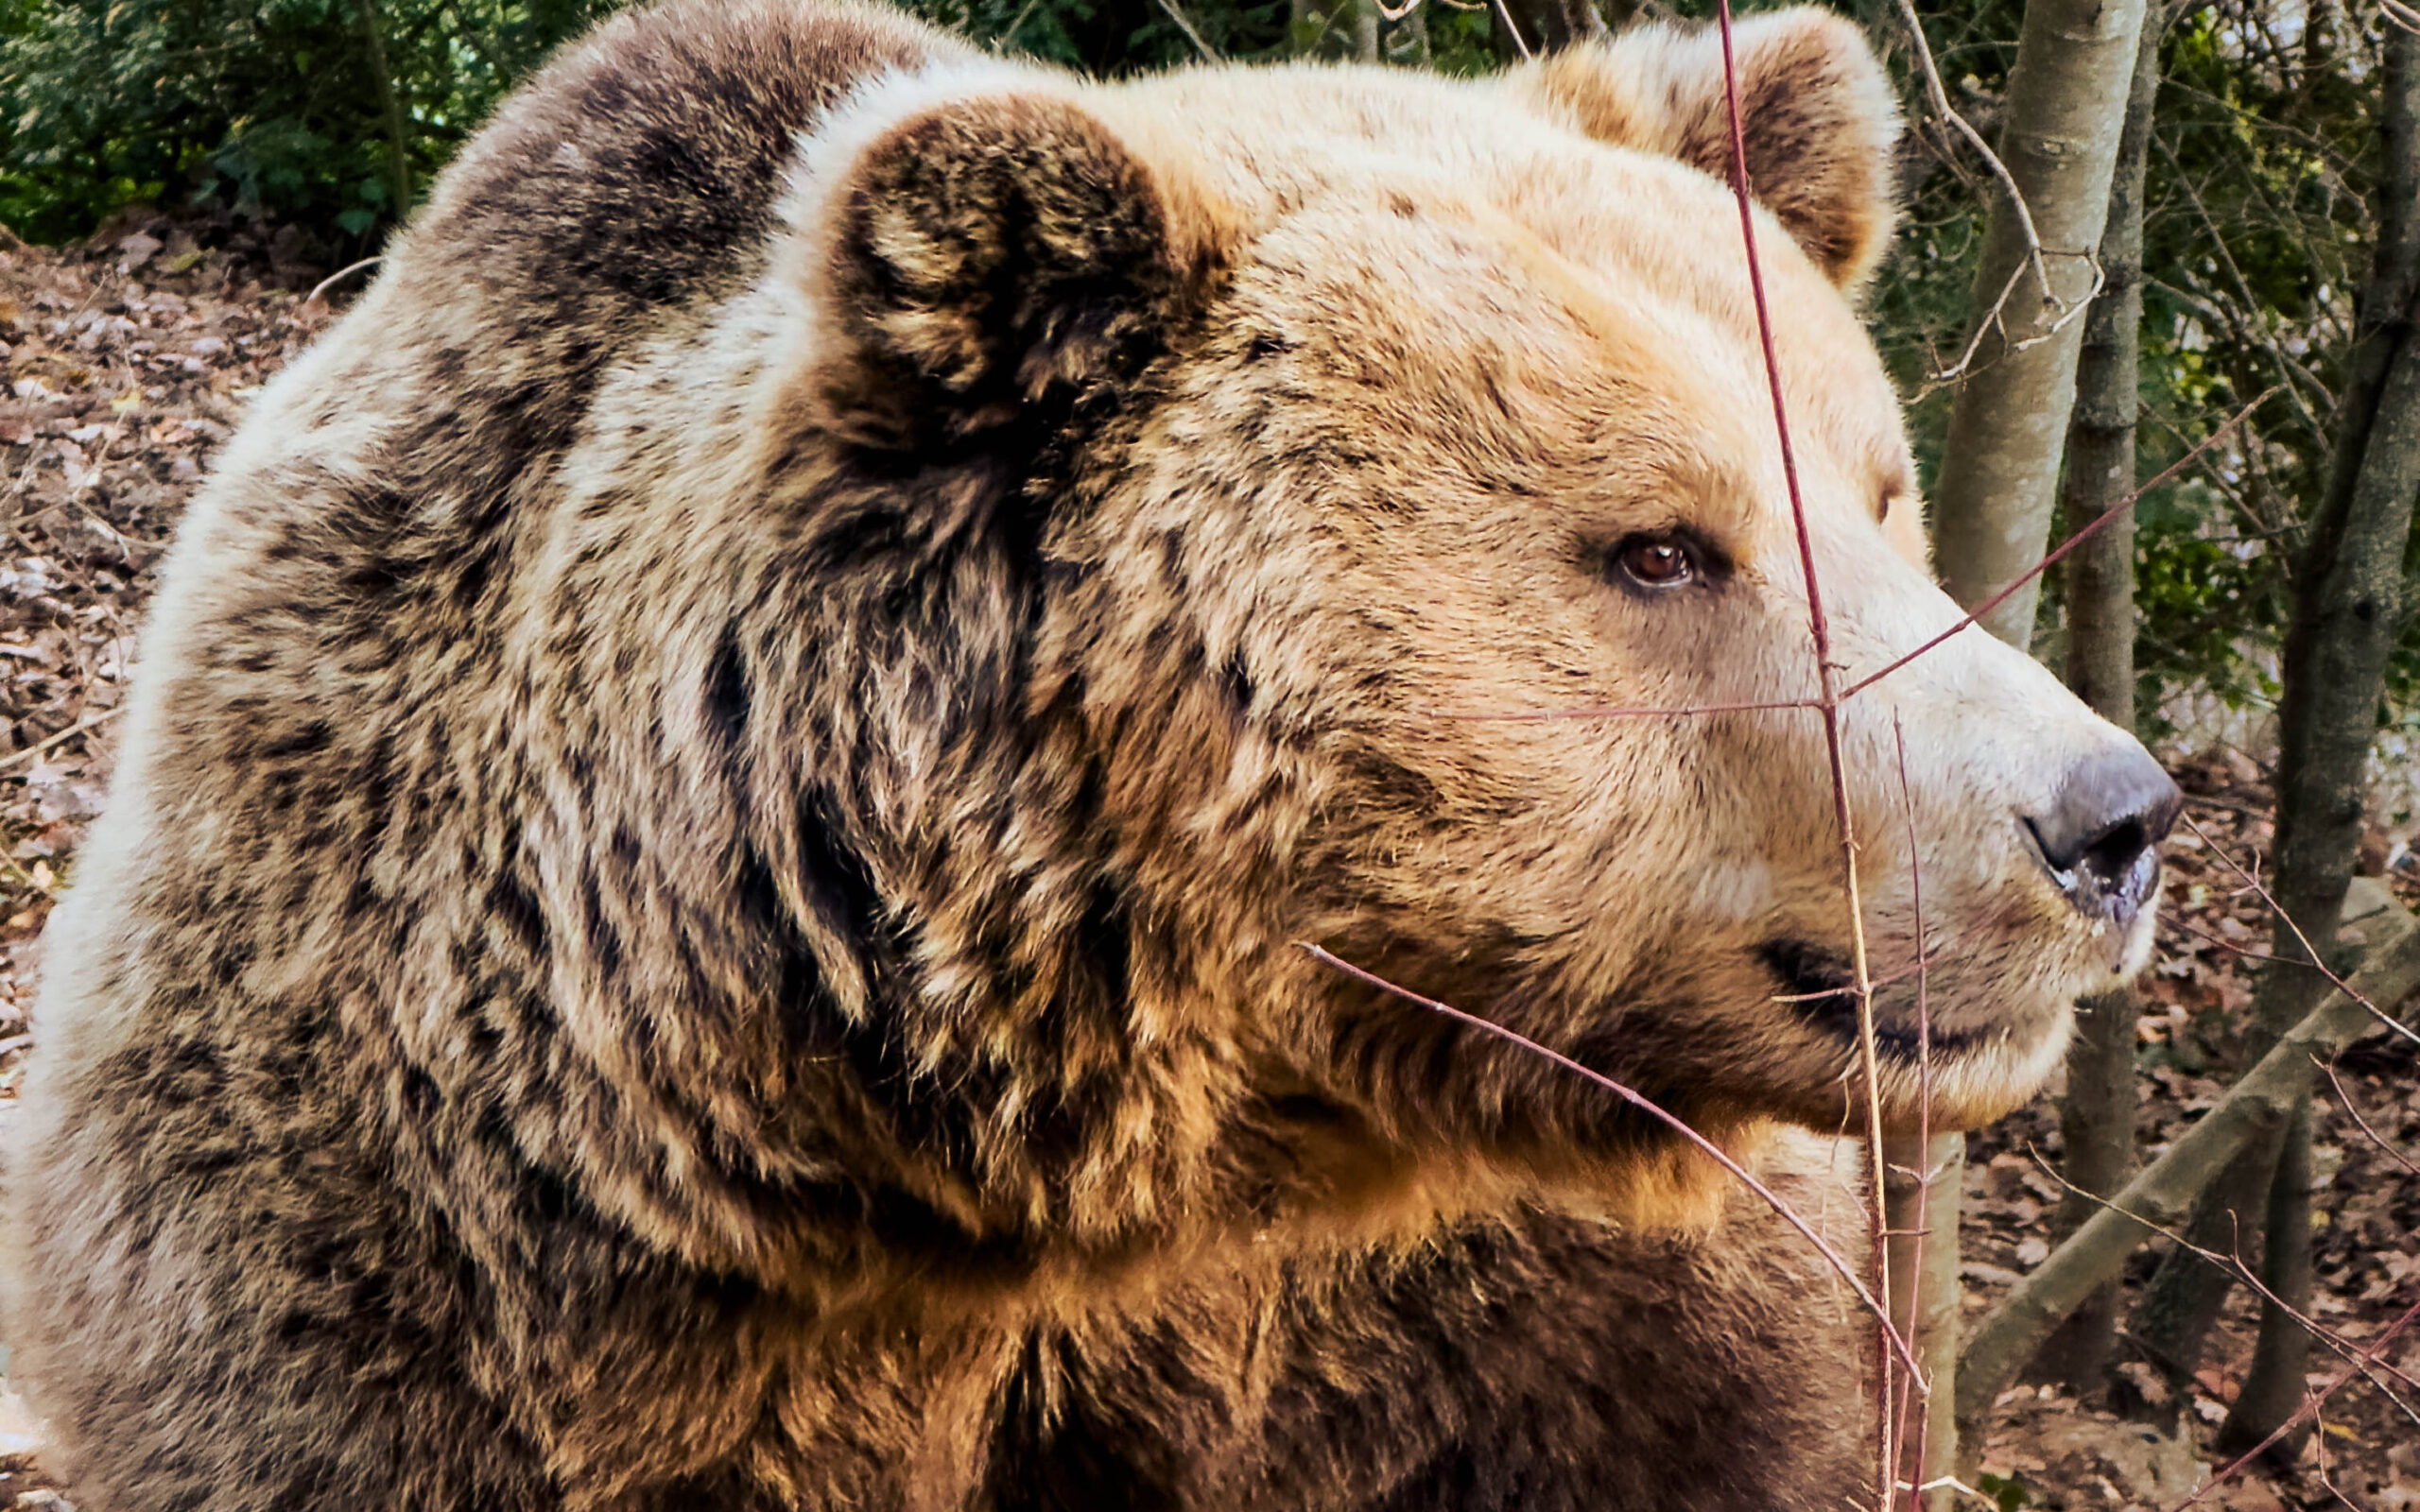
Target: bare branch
(339,275)
(1190,35)
(1942,108)
(2105,518)
(1673,1121)
(2377,1347)
(2376,1138)
(2165,1189)
(2304,940)
(1504,14)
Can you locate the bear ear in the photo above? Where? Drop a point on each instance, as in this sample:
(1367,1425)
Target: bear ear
(997,257)
(1818,111)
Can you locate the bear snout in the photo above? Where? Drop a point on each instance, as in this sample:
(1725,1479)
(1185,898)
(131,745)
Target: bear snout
(2098,839)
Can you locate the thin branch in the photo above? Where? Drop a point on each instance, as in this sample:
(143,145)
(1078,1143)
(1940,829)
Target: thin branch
(1995,318)
(1819,630)
(2377,1347)
(1015,24)
(2376,1138)
(2233,1264)
(2304,940)
(2003,1341)
(1190,35)
(1939,96)
(1630,712)
(1916,1389)
(2100,522)
(2232,948)
(80,727)
(1670,1120)
(1504,14)
(338,276)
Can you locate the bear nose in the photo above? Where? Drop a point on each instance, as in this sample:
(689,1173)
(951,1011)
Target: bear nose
(2099,837)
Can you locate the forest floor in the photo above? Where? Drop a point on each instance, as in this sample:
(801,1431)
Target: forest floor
(126,362)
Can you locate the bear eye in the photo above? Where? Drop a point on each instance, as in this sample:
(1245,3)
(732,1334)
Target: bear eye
(1657,561)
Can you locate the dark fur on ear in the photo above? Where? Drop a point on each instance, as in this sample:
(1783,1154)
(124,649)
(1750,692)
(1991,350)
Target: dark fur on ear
(996,255)
(1816,107)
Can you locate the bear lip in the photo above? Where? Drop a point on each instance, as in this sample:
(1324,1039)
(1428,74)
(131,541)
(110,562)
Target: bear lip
(1820,985)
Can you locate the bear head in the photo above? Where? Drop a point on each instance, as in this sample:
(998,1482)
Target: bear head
(1249,509)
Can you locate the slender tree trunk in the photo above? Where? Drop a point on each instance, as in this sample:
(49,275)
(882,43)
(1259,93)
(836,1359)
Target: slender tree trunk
(2272,1387)
(2065,108)
(399,163)
(2348,608)
(2066,111)
(2182,1302)
(1365,31)
(2097,1117)
(1922,1246)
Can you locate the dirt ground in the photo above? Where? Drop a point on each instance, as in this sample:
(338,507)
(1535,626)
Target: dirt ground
(126,362)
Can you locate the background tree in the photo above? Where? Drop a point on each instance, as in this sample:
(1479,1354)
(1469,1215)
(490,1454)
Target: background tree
(2064,111)
(2348,610)
(2096,1115)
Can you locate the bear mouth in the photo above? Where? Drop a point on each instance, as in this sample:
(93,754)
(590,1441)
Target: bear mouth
(1820,986)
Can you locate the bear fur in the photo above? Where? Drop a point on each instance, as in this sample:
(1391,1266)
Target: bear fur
(701,908)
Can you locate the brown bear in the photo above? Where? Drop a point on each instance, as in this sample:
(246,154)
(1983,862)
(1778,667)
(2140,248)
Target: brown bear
(702,906)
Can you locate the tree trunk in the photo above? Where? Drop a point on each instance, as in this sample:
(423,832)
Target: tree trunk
(2066,110)
(399,163)
(1922,1250)
(2097,1117)
(2272,1387)
(2348,608)
(2182,1302)
(2261,1102)
(1365,31)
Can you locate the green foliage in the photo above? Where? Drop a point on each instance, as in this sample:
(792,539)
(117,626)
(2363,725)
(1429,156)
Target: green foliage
(276,105)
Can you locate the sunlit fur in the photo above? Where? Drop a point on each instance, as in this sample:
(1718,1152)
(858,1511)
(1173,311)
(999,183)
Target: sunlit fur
(703,900)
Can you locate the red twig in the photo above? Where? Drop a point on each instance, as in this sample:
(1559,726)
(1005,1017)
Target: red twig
(1887,979)
(2233,1264)
(2100,522)
(1915,1389)
(1665,1116)
(2376,1138)
(2234,949)
(2310,1408)
(1639,713)
(2288,919)
(1819,629)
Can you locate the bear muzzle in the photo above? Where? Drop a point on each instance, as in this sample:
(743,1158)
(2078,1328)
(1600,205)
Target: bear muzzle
(2099,840)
